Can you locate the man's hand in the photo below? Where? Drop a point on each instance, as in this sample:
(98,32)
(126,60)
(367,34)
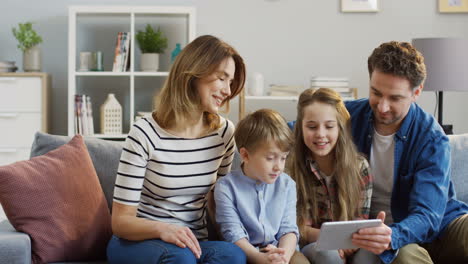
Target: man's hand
(182,237)
(374,239)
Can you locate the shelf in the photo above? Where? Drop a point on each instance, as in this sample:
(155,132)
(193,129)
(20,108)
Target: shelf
(269,97)
(102,73)
(109,73)
(151,73)
(274,105)
(95,28)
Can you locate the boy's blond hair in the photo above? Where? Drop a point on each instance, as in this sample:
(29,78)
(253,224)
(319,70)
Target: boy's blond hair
(260,127)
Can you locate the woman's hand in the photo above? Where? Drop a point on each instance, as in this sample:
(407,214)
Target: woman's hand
(183,237)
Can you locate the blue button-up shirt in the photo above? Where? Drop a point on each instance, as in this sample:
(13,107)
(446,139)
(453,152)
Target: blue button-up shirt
(262,213)
(423,200)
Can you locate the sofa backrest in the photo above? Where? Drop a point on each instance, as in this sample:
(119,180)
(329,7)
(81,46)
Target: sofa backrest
(459,156)
(106,155)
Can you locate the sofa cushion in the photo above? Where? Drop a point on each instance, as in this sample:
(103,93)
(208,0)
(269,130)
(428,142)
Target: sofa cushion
(104,154)
(56,199)
(459,156)
(15,247)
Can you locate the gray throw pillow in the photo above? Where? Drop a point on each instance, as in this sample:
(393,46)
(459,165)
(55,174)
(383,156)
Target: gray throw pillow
(105,156)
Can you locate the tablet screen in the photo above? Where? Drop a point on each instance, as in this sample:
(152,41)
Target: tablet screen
(337,235)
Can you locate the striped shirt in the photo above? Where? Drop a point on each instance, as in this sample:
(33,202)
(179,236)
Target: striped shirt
(168,177)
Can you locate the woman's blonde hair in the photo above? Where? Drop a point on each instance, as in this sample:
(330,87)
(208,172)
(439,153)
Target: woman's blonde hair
(347,162)
(179,96)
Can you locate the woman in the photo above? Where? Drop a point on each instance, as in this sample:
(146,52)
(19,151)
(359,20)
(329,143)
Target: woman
(172,159)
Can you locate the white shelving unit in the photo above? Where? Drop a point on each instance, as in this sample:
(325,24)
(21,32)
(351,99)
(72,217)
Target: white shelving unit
(95,28)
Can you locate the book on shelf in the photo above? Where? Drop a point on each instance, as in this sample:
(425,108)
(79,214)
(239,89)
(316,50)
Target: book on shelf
(285,90)
(337,89)
(317,81)
(328,79)
(122,53)
(83,115)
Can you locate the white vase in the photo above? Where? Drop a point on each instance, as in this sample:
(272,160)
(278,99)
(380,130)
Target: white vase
(149,62)
(32,59)
(256,84)
(111,116)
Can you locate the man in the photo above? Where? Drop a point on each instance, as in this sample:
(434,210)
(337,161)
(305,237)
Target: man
(410,161)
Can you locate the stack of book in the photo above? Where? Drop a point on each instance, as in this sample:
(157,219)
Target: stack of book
(340,85)
(83,115)
(122,53)
(285,90)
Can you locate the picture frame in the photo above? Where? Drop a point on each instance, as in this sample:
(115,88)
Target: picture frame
(359,6)
(453,6)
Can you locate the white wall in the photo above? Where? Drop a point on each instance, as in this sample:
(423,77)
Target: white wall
(286,40)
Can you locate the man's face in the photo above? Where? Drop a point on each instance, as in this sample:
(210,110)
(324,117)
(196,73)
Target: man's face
(390,98)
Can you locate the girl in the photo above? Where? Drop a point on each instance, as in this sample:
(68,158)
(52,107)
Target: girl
(172,159)
(333,180)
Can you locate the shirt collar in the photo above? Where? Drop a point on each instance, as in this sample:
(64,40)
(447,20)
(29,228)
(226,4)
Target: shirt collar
(313,167)
(249,180)
(403,131)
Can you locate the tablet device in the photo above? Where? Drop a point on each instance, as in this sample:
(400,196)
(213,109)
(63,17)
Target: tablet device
(337,235)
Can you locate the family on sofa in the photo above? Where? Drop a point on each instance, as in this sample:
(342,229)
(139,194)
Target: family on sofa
(381,157)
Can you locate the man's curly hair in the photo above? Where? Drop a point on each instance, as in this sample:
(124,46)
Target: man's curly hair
(399,59)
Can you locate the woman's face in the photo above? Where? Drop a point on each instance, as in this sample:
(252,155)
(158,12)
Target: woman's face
(320,129)
(216,87)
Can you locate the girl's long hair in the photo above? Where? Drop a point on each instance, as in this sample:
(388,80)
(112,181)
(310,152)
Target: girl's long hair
(347,163)
(179,96)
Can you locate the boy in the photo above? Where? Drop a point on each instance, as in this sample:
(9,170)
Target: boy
(256,206)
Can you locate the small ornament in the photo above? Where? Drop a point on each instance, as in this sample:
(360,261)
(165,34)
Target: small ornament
(175,52)
(111,116)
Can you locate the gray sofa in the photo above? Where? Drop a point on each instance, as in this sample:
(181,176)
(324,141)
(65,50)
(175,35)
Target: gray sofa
(15,247)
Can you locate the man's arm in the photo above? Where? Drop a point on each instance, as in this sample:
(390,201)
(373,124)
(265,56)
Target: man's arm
(428,195)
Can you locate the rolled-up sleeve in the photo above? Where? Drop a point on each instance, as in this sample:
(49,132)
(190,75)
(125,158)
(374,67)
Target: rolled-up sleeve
(227,215)
(288,221)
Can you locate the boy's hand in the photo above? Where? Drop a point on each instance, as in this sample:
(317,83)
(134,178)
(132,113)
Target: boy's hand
(274,255)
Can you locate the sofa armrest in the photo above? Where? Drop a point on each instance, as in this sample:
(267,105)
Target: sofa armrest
(15,247)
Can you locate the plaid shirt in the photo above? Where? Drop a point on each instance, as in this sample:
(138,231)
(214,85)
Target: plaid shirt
(328,207)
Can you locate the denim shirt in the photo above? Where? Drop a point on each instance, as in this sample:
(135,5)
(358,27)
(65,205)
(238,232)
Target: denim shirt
(423,200)
(262,213)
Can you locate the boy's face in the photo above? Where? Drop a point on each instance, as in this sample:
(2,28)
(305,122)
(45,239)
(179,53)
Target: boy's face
(264,164)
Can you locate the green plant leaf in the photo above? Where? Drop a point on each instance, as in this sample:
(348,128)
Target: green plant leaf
(26,36)
(150,41)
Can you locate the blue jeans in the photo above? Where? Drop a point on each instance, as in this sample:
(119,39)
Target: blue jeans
(156,251)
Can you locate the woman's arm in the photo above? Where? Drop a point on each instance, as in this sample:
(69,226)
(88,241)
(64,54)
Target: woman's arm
(311,234)
(126,225)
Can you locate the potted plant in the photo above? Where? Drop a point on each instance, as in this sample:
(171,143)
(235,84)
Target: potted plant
(151,44)
(28,42)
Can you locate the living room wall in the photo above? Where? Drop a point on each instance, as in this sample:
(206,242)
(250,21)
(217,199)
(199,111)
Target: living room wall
(288,41)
